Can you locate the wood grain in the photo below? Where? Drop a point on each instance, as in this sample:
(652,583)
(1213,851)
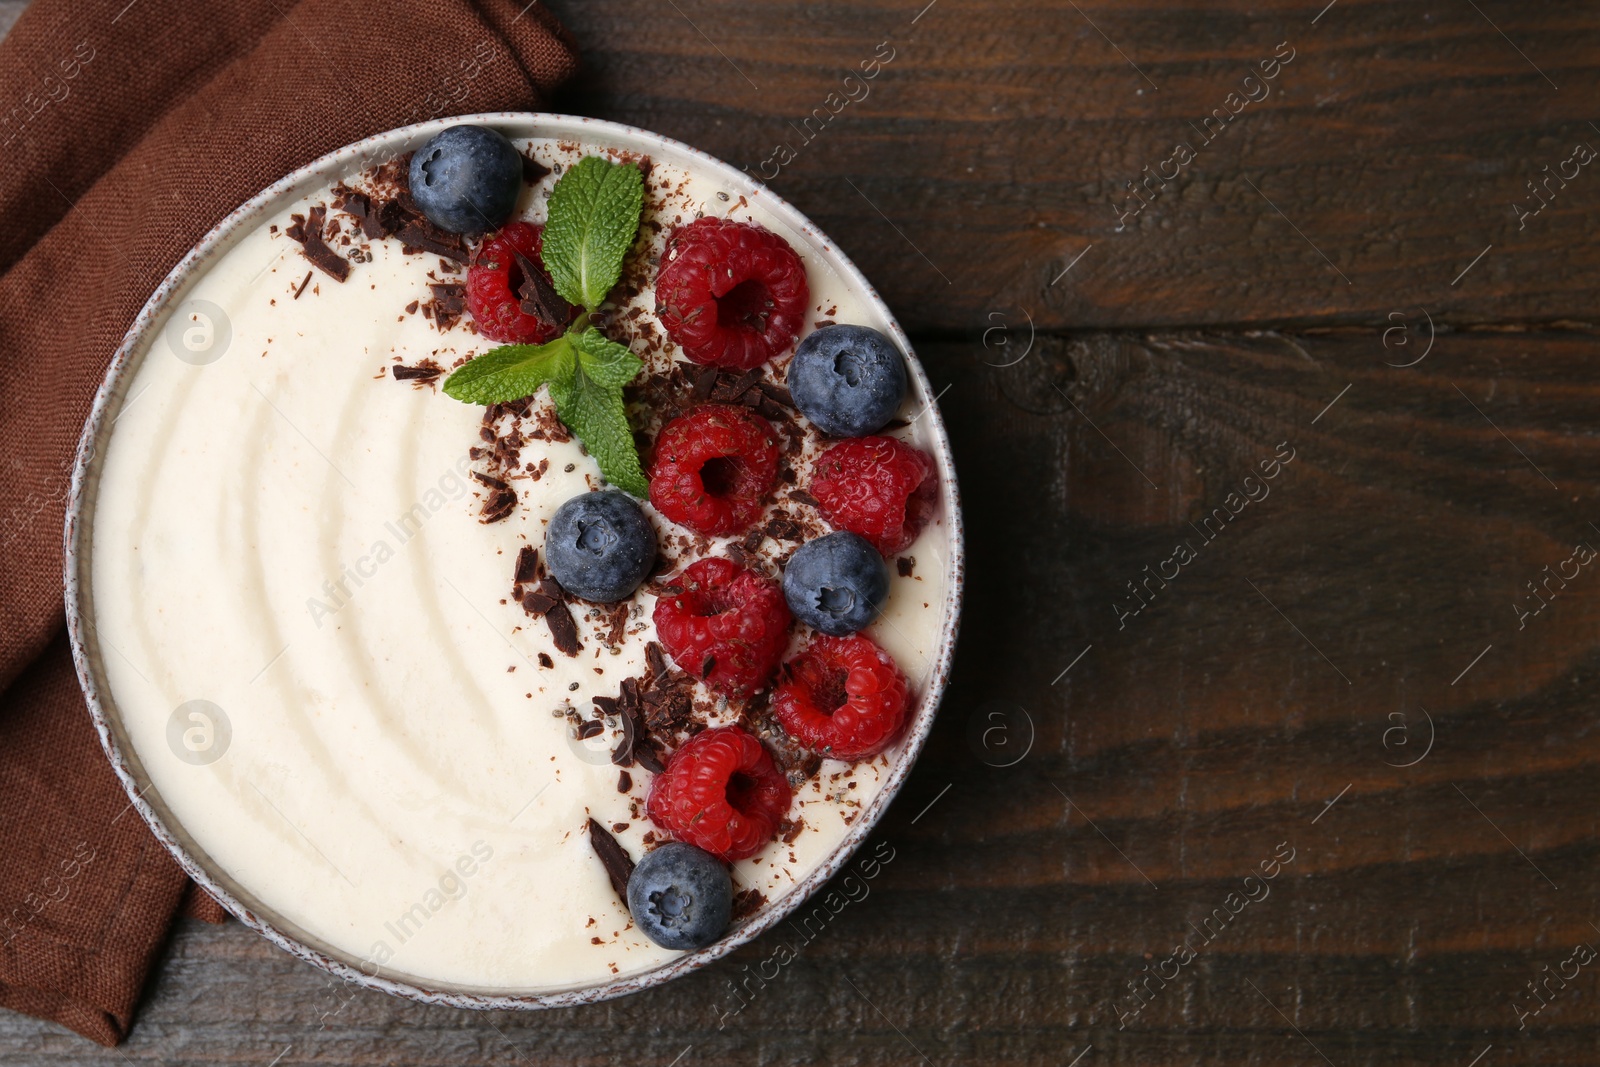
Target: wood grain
(995,147)
(1202,736)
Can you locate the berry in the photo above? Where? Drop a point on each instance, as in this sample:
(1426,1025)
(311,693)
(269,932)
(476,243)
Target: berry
(728,627)
(600,546)
(680,896)
(466,179)
(713,469)
(877,487)
(722,792)
(842,697)
(848,380)
(507,302)
(836,584)
(731,294)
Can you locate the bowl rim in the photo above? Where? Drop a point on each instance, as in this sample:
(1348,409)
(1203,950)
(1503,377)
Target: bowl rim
(77,567)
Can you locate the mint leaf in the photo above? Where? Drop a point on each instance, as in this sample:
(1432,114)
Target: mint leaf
(512,372)
(603,360)
(594,216)
(594,412)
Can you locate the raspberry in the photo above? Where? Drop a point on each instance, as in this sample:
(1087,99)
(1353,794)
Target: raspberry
(713,469)
(721,792)
(842,697)
(876,487)
(731,294)
(505,303)
(728,627)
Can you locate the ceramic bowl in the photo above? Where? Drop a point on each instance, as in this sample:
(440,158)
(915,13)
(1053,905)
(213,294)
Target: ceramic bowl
(126,760)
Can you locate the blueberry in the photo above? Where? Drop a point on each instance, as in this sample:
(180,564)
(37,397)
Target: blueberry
(467,179)
(848,380)
(836,583)
(600,546)
(680,896)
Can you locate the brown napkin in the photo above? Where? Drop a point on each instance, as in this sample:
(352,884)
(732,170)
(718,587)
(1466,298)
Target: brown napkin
(132,129)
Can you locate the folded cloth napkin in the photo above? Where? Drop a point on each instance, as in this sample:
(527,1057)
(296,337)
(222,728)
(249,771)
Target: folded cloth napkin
(133,127)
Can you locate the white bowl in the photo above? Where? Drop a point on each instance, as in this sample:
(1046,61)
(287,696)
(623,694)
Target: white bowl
(80,522)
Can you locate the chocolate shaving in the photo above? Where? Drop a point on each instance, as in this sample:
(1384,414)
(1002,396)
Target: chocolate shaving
(307,231)
(545,661)
(624,781)
(541,600)
(533,171)
(622,755)
(536,604)
(449,296)
(563,628)
(778,393)
(539,297)
(549,601)
(500,504)
(426,371)
(354,203)
(670,710)
(527,564)
(803,497)
(359,206)
(449,303)
(392,216)
(782,528)
(905,565)
(732,390)
(627,705)
(648,758)
(613,857)
(654,709)
(422,234)
(746,902)
(619,623)
(490,480)
(303,283)
(703,380)
(590,728)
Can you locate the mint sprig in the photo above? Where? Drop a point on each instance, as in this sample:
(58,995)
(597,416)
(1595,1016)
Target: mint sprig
(593,220)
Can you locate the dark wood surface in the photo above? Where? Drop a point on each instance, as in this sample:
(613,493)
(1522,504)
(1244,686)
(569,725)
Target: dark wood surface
(1342,672)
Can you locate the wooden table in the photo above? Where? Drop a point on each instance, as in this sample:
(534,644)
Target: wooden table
(1276,475)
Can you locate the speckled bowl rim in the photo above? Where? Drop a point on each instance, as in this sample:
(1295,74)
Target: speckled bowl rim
(79,522)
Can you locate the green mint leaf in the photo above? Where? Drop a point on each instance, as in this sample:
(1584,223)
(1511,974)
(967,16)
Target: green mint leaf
(603,360)
(595,413)
(512,372)
(594,216)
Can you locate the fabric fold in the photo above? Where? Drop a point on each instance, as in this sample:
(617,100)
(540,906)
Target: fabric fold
(133,129)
